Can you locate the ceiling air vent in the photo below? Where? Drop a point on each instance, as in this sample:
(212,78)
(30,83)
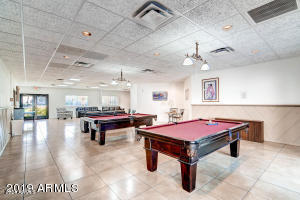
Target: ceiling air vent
(148,70)
(152,14)
(82,64)
(222,51)
(272,9)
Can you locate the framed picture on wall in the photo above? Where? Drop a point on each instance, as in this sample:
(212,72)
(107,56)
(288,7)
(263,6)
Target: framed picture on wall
(160,96)
(210,90)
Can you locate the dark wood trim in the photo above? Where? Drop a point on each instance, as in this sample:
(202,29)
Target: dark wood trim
(255,132)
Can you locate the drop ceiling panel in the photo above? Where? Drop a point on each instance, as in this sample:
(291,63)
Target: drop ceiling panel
(63,8)
(39,52)
(131,30)
(77,43)
(10,47)
(10,38)
(101,48)
(145,44)
(246,5)
(284,39)
(199,36)
(8,26)
(244,39)
(278,24)
(11,53)
(45,20)
(40,44)
(178,28)
(10,10)
(288,51)
(68,50)
(115,41)
(119,7)
(182,5)
(237,22)
(211,12)
(41,34)
(97,17)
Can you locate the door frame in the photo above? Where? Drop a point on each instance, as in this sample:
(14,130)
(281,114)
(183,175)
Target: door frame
(34,103)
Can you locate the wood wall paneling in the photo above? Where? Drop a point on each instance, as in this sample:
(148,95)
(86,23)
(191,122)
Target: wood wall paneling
(281,122)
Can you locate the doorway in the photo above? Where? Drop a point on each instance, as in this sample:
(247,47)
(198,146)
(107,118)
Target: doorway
(36,106)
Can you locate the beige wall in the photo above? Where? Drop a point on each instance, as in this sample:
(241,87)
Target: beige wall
(282,123)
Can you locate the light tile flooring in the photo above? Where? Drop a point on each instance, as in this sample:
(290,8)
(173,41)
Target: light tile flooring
(55,151)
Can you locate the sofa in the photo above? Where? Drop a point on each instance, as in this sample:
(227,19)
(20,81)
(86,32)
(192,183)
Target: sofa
(64,113)
(80,111)
(92,111)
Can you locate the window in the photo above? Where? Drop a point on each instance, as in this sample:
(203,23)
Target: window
(73,100)
(110,100)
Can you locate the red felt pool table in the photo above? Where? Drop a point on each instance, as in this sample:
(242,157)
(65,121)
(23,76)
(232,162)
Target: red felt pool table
(101,124)
(189,141)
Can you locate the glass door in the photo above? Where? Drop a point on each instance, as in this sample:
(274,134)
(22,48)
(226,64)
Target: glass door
(41,106)
(27,102)
(35,106)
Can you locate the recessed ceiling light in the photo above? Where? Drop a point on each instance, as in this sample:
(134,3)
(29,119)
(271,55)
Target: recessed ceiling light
(255,51)
(103,85)
(86,33)
(94,87)
(156,54)
(66,57)
(74,79)
(62,85)
(227,27)
(68,83)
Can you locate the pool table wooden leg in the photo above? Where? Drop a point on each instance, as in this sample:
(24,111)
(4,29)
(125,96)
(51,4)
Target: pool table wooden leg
(93,134)
(188,176)
(101,138)
(151,157)
(235,148)
(85,127)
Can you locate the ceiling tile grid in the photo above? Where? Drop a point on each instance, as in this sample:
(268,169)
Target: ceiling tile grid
(131,30)
(9,26)
(10,38)
(211,12)
(10,10)
(63,8)
(93,15)
(45,20)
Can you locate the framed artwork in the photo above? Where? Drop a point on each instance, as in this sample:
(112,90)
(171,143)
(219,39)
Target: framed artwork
(160,96)
(187,94)
(210,90)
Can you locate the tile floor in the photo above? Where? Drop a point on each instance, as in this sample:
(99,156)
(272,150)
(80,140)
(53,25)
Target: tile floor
(55,151)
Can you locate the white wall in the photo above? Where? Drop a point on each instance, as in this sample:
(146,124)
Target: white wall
(141,98)
(7,85)
(6,92)
(57,97)
(275,82)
